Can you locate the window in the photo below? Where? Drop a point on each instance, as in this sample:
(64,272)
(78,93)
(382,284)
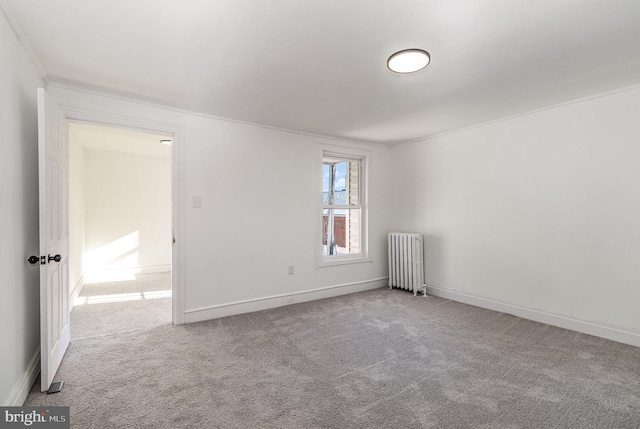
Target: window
(343,238)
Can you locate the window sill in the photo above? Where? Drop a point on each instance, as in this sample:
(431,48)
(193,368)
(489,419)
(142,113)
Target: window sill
(345,260)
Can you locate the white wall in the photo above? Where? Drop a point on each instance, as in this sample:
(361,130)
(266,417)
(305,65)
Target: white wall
(19,303)
(76,213)
(540,211)
(260,198)
(127,214)
(259,190)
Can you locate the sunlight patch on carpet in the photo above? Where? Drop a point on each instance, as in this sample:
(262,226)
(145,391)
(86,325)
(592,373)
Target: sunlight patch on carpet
(121,297)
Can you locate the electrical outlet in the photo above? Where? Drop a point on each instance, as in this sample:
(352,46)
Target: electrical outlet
(291,300)
(291,269)
(197,202)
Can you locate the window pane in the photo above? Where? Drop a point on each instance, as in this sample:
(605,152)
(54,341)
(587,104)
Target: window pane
(341,232)
(340,182)
(326,172)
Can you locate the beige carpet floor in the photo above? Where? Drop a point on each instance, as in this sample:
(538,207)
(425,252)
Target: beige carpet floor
(376,359)
(124,306)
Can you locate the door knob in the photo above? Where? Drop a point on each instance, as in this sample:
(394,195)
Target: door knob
(56,258)
(33,260)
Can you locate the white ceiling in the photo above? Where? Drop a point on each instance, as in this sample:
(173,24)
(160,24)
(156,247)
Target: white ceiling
(94,137)
(320,66)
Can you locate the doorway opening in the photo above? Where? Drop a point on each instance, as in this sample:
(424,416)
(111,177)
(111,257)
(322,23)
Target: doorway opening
(120,220)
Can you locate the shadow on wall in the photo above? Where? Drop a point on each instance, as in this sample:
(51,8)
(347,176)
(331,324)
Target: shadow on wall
(434,261)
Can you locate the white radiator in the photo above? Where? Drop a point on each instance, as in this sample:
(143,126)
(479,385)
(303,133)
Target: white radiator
(406,263)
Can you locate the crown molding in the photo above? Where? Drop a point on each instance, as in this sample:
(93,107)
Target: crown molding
(130,98)
(519,115)
(22,38)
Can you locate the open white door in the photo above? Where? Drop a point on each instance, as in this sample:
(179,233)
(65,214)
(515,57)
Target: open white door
(53,163)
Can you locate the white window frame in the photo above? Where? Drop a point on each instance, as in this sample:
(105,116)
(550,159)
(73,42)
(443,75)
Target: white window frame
(354,155)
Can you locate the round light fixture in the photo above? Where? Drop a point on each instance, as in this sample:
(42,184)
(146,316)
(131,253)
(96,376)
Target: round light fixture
(166,142)
(408,60)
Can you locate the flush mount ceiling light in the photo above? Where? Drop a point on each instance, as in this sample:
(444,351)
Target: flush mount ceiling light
(408,60)
(167,142)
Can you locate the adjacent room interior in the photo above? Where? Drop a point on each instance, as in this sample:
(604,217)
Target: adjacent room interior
(120,223)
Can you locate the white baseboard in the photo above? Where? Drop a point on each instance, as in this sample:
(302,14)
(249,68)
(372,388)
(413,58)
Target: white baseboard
(77,289)
(22,388)
(248,306)
(154,269)
(128,273)
(597,329)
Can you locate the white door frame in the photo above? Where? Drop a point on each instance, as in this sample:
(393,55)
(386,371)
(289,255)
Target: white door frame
(144,125)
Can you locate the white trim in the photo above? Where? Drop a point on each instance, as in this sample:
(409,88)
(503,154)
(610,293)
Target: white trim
(145,101)
(518,115)
(149,269)
(23,386)
(94,117)
(329,138)
(596,328)
(77,290)
(346,259)
(133,269)
(17,29)
(178,251)
(342,207)
(177,179)
(258,304)
(364,158)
